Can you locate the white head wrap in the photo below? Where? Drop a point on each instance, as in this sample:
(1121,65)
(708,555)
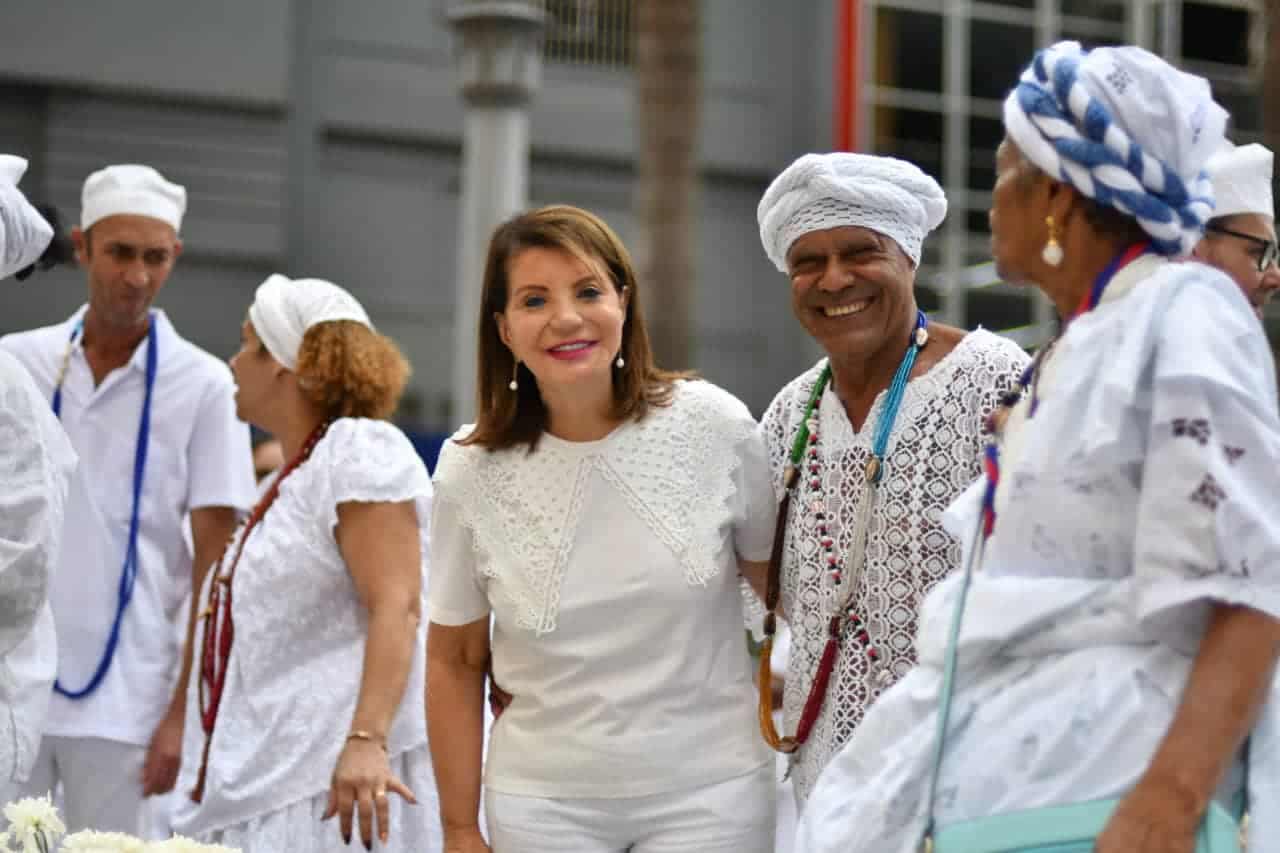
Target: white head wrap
(820,191)
(1126,129)
(131,189)
(1241,177)
(284,308)
(24,233)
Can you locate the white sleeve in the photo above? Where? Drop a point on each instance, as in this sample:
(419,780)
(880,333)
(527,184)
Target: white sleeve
(454,594)
(219,458)
(1208,529)
(373,462)
(36,464)
(756,510)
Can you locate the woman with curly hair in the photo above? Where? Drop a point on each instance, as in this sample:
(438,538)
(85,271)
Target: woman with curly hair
(310,649)
(600,510)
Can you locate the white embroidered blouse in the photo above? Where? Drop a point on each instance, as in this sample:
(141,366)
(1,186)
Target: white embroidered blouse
(300,631)
(610,570)
(933,453)
(1140,495)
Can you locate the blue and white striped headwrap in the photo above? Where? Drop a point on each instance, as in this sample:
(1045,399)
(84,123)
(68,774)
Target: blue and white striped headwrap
(1126,129)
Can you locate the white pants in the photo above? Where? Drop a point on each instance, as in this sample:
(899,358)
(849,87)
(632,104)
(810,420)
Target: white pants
(735,816)
(101,782)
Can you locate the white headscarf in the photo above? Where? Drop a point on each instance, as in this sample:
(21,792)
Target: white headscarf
(820,191)
(284,308)
(1241,176)
(1126,129)
(24,233)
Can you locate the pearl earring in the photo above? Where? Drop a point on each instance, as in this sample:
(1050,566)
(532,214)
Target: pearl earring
(515,371)
(1052,254)
(620,363)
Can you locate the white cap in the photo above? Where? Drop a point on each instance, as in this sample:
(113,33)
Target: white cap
(131,189)
(284,308)
(24,233)
(1241,178)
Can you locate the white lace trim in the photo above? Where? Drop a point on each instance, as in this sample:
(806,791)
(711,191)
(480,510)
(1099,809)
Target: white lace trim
(933,454)
(676,470)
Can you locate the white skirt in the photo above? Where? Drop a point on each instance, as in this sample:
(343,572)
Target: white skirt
(298,828)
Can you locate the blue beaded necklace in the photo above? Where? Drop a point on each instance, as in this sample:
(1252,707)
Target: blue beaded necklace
(129,571)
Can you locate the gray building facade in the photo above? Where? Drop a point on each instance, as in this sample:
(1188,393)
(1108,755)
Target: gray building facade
(322,138)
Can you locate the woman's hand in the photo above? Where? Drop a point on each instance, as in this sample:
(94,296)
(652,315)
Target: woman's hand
(1151,818)
(467,840)
(363,780)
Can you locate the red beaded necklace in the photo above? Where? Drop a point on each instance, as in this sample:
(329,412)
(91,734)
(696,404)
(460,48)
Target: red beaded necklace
(219,629)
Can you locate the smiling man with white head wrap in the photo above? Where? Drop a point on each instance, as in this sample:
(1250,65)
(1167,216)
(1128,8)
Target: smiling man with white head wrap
(898,393)
(152,419)
(1240,239)
(36,465)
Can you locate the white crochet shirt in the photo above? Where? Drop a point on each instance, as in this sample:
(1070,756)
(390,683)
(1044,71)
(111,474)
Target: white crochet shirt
(933,454)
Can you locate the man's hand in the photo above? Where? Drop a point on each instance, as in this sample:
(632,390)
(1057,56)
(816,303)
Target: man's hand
(164,755)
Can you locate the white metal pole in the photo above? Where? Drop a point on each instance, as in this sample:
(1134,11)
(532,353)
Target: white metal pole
(495,180)
(499,62)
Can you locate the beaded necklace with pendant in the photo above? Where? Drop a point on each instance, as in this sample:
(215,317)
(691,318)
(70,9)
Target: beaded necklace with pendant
(805,457)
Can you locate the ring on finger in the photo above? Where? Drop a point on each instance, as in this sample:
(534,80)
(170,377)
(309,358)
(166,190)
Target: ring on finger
(380,795)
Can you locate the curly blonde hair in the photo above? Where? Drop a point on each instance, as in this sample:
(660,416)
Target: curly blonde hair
(351,371)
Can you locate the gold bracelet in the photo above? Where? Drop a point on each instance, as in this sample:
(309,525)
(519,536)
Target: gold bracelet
(361,734)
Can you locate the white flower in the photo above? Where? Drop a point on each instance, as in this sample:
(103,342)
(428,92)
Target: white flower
(33,824)
(88,841)
(178,844)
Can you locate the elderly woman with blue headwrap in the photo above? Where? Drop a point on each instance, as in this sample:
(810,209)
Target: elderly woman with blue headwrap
(1099,676)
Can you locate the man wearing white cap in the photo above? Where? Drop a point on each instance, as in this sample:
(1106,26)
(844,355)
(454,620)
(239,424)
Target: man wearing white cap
(1240,239)
(36,464)
(153,418)
(873,441)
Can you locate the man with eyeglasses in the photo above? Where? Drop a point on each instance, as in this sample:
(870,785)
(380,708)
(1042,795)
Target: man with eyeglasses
(1241,238)
(152,418)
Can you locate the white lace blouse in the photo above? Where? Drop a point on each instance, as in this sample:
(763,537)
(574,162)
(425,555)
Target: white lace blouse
(300,632)
(933,453)
(610,570)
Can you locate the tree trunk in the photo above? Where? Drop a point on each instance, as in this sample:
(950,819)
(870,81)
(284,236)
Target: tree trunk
(668,48)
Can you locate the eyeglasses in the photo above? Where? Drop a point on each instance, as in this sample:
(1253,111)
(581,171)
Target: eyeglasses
(1269,254)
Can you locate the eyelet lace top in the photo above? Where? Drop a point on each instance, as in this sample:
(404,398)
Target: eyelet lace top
(610,570)
(676,469)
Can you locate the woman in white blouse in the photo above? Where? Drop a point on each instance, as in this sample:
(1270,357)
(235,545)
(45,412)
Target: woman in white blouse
(598,510)
(309,652)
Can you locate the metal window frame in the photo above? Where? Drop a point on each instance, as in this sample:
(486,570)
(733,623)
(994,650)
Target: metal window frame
(952,278)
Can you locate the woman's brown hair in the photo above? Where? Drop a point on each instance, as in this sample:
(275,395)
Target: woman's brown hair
(351,371)
(505,418)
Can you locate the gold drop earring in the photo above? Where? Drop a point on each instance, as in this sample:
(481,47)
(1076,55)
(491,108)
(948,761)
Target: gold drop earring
(1052,253)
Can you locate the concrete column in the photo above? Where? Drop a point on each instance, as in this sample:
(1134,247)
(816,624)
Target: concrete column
(499,57)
